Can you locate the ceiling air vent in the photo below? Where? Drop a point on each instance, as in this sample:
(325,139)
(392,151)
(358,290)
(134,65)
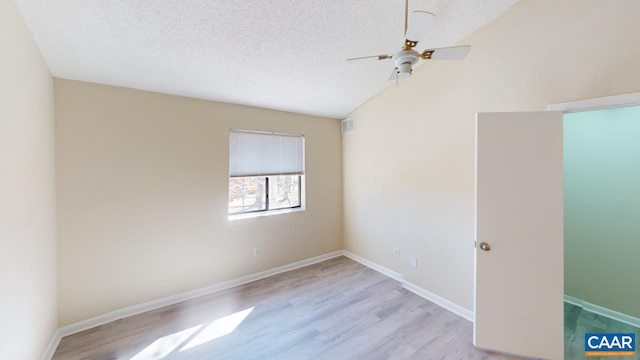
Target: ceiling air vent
(349,125)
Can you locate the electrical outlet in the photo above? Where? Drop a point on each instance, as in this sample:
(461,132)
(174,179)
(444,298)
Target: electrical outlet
(256,252)
(413,261)
(396,252)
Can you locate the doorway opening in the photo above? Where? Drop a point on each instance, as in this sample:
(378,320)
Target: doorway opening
(601,218)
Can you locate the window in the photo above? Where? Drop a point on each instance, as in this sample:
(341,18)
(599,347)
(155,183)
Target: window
(266,172)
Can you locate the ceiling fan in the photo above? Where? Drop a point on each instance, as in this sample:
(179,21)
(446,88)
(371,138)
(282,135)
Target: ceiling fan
(415,30)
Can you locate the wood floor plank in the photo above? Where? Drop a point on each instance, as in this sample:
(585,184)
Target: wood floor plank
(336,309)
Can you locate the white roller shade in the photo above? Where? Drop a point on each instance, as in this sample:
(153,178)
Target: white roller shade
(261,154)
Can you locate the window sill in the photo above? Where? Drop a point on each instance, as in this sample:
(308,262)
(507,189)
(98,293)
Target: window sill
(264,213)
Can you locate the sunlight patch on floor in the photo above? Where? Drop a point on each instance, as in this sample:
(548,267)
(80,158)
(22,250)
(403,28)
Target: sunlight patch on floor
(221,327)
(165,345)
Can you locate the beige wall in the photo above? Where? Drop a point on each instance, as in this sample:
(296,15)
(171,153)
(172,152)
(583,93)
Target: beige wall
(143,190)
(28,316)
(409,169)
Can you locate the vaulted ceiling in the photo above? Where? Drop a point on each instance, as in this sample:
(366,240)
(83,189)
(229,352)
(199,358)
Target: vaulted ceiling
(286,55)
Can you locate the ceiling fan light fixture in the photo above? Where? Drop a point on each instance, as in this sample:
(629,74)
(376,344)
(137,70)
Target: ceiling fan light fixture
(404,70)
(404,61)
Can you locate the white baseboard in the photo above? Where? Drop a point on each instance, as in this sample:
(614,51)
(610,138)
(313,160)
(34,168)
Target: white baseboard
(370,264)
(600,310)
(52,346)
(173,299)
(438,300)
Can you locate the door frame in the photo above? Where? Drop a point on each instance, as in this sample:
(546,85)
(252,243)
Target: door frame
(605,102)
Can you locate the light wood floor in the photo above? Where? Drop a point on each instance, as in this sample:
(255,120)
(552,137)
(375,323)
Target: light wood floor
(336,309)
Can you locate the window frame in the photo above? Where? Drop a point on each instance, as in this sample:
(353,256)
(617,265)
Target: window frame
(267,210)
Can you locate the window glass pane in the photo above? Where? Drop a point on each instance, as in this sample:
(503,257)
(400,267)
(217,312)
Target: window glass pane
(247,194)
(284,191)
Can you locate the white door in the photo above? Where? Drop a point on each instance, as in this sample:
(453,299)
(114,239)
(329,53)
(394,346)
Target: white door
(519,283)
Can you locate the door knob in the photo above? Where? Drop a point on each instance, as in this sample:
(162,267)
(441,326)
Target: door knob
(485,246)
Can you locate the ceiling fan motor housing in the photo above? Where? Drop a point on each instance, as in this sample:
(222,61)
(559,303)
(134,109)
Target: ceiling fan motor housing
(404,61)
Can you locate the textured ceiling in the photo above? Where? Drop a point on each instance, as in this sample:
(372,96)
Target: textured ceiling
(286,55)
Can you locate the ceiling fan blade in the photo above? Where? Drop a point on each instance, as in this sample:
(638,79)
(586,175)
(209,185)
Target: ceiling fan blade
(380,57)
(418,26)
(448,53)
